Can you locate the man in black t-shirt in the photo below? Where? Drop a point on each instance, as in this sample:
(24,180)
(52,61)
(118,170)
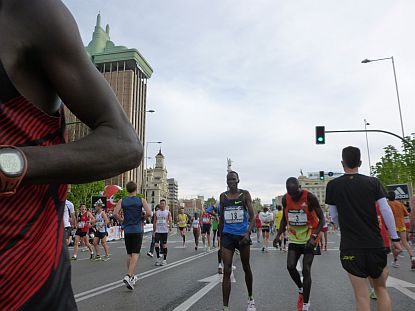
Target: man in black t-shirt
(352,201)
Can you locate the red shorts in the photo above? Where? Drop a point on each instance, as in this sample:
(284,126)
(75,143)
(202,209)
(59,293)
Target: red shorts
(325,229)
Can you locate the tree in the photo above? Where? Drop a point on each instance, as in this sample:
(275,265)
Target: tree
(257,205)
(81,193)
(210,201)
(397,167)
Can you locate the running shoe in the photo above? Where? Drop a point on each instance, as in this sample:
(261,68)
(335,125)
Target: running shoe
(85,249)
(106,258)
(158,262)
(220,269)
(91,256)
(300,302)
(164,262)
(128,282)
(195,248)
(150,254)
(208,249)
(134,279)
(263,249)
(97,258)
(251,305)
(395,264)
(372,295)
(73,258)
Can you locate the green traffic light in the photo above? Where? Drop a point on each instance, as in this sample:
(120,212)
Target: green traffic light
(320,139)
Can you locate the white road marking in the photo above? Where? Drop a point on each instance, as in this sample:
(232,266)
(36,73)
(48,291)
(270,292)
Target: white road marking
(212,282)
(401,286)
(110,286)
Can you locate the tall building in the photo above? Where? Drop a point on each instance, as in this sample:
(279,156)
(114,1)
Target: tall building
(192,206)
(127,72)
(316,186)
(157,187)
(173,197)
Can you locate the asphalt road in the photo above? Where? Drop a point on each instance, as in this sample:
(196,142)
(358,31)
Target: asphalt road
(190,281)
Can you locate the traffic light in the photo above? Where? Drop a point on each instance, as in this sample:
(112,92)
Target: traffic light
(321,175)
(320,135)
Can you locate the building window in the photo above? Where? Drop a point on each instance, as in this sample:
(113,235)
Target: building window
(152,193)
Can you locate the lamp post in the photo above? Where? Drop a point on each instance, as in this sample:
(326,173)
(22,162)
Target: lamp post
(365,61)
(367,145)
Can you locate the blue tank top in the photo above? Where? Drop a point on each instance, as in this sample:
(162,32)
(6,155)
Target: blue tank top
(132,208)
(235,214)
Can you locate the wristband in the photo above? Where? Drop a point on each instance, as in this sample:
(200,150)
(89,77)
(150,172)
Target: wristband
(396,240)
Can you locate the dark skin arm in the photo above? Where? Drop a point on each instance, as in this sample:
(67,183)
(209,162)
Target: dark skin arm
(49,62)
(221,217)
(314,205)
(248,204)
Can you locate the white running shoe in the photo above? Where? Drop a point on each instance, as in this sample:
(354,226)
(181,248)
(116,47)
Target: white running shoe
(251,305)
(395,264)
(134,279)
(158,262)
(150,254)
(128,282)
(164,262)
(208,249)
(220,269)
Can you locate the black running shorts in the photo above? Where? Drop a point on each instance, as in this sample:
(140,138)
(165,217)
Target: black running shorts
(300,249)
(206,229)
(231,241)
(364,263)
(265,229)
(101,235)
(80,233)
(161,237)
(133,242)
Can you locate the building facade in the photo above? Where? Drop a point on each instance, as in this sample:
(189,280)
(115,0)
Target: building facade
(127,73)
(157,187)
(315,186)
(173,197)
(192,206)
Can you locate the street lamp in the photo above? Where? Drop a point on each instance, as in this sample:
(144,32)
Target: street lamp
(367,145)
(365,61)
(151,111)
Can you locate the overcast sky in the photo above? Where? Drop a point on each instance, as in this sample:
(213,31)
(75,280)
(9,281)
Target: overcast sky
(250,80)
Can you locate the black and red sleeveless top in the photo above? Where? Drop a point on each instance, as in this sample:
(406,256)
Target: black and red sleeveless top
(34,265)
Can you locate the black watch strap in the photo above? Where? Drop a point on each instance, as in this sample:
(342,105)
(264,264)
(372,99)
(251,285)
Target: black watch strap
(396,240)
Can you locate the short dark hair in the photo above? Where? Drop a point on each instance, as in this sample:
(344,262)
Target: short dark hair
(351,156)
(232,172)
(391,195)
(131,187)
(162,200)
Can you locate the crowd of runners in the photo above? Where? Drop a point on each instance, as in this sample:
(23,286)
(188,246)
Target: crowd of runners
(299,226)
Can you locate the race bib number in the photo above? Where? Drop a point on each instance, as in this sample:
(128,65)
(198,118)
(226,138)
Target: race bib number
(161,221)
(206,219)
(234,215)
(195,224)
(297,218)
(100,225)
(81,224)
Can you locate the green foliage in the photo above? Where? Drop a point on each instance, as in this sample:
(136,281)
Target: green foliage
(81,193)
(257,205)
(397,167)
(210,201)
(123,193)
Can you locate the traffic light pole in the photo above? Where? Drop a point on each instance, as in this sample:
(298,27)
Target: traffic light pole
(405,141)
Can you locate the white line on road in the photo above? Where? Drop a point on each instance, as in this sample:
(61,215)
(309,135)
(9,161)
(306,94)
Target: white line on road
(401,286)
(110,286)
(213,281)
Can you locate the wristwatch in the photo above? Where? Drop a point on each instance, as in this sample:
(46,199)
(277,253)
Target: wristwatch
(13,168)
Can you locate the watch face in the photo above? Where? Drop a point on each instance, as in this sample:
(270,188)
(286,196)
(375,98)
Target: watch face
(11,163)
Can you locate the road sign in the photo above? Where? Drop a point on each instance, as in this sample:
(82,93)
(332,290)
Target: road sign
(401,191)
